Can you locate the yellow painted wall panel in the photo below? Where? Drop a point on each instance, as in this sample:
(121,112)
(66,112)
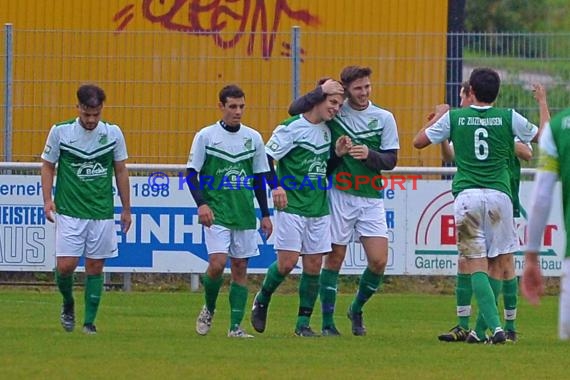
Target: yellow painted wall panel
(162,62)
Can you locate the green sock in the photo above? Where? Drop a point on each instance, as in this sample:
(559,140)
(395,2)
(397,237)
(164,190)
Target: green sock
(93,290)
(211,290)
(271,282)
(308,293)
(238,299)
(463,294)
(481,325)
(510,298)
(65,286)
(496,286)
(328,289)
(485,299)
(370,282)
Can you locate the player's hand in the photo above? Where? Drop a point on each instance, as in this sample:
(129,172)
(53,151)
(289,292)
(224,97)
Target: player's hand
(332,87)
(539,92)
(359,152)
(205,215)
(266,227)
(279,198)
(342,146)
(532,285)
(126,220)
(49,210)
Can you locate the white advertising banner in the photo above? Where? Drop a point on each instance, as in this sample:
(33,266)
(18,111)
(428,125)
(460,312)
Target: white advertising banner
(165,235)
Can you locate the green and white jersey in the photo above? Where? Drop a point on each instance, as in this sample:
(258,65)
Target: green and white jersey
(555,158)
(374,127)
(302,150)
(483,140)
(84,187)
(227,162)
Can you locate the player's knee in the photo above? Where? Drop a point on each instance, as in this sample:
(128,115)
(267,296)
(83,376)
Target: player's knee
(286,266)
(215,269)
(333,261)
(378,264)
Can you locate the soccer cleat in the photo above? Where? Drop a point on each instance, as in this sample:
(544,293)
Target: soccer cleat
(306,331)
(259,315)
(499,337)
(472,338)
(238,333)
(358,327)
(89,329)
(204,321)
(330,331)
(67,317)
(456,334)
(511,335)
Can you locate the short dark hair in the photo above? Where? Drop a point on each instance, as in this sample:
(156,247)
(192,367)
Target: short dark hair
(230,91)
(466,88)
(485,84)
(351,73)
(323,80)
(90,95)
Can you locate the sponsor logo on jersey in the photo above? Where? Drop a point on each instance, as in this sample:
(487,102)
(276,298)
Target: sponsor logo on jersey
(90,170)
(103,139)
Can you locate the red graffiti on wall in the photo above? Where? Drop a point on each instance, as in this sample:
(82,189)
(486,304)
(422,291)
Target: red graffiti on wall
(226,21)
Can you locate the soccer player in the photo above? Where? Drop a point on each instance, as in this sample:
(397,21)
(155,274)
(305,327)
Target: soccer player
(88,151)
(553,164)
(302,147)
(483,139)
(504,271)
(225,157)
(356,208)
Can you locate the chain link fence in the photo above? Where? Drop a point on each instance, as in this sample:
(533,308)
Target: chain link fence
(162,86)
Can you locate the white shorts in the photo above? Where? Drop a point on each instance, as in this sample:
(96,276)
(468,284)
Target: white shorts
(484,223)
(96,239)
(302,234)
(350,214)
(239,244)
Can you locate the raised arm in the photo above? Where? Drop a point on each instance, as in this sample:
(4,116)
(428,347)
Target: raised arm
(310,99)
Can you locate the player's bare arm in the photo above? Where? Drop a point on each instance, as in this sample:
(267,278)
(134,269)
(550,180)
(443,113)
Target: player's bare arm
(122,178)
(523,151)
(532,283)
(47,175)
(540,95)
(421,140)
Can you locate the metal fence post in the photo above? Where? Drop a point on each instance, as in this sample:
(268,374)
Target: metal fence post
(194,282)
(296,60)
(8,83)
(127,282)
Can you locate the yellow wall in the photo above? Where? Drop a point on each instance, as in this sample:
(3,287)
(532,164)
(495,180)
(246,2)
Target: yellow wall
(162,65)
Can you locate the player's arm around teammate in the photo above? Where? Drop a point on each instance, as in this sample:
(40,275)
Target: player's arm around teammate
(301,146)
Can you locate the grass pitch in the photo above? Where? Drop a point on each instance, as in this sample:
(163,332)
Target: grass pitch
(151,336)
